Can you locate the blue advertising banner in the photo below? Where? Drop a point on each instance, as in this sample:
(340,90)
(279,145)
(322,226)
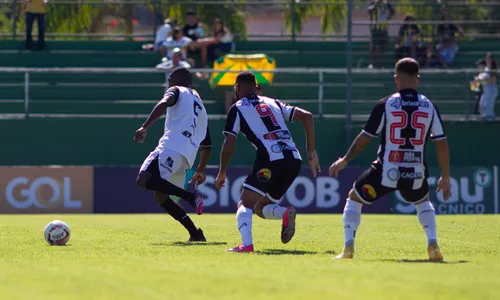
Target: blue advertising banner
(116,192)
(474,190)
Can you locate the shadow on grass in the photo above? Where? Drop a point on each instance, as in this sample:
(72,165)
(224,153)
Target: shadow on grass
(283,252)
(329,252)
(416,261)
(185,244)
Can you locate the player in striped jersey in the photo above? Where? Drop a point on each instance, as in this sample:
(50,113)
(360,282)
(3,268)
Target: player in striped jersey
(278,162)
(404,121)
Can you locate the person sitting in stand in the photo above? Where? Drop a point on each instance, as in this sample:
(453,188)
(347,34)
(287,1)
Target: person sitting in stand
(407,40)
(178,40)
(221,42)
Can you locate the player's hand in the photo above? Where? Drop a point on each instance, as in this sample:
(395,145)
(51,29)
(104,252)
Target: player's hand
(337,166)
(140,135)
(198,178)
(444,186)
(313,161)
(220,180)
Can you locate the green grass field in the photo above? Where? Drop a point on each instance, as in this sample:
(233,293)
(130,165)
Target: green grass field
(144,257)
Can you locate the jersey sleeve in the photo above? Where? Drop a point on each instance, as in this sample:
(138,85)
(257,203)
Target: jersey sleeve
(232,122)
(287,110)
(376,120)
(207,141)
(171,96)
(437,128)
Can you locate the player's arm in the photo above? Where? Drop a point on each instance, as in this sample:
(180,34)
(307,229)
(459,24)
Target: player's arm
(169,99)
(230,132)
(372,129)
(438,135)
(205,150)
(299,114)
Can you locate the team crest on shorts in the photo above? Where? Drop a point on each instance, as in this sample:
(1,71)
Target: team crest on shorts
(369,191)
(264,175)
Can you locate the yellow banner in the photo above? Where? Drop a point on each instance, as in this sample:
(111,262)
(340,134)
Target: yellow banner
(240,62)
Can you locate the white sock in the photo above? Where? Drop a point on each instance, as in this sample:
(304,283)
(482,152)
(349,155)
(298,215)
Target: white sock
(244,219)
(351,218)
(427,217)
(273,211)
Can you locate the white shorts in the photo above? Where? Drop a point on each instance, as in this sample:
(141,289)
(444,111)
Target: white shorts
(172,166)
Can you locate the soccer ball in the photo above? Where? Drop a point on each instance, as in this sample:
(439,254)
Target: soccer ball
(57,233)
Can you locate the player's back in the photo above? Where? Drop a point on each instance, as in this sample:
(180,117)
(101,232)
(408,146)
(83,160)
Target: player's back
(186,124)
(405,121)
(262,120)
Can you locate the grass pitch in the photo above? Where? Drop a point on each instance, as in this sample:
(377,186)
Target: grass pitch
(144,257)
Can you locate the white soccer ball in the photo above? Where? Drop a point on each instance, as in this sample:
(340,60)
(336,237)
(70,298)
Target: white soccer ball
(57,233)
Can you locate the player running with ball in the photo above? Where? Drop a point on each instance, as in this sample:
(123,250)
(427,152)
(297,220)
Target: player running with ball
(278,162)
(404,121)
(186,130)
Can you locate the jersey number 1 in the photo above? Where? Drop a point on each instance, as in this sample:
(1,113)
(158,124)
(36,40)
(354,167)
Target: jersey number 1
(403,123)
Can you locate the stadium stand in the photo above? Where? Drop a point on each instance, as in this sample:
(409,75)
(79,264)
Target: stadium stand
(134,93)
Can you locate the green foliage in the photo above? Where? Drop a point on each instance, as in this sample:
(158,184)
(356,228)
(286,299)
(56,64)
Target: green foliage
(233,16)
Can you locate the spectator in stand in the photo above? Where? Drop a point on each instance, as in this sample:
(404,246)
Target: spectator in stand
(178,40)
(221,42)
(176,61)
(488,81)
(447,47)
(380,11)
(409,36)
(195,30)
(476,86)
(35,9)
(163,33)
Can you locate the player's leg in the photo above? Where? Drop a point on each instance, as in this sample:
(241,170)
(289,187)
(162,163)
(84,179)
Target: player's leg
(178,213)
(426,216)
(165,164)
(255,188)
(283,174)
(366,190)
(244,219)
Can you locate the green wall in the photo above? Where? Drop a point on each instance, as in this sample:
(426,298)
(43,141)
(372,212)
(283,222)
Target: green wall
(109,142)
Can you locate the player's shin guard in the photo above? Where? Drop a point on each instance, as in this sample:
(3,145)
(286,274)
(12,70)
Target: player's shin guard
(177,212)
(244,220)
(427,217)
(352,219)
(273,212)
(165,187)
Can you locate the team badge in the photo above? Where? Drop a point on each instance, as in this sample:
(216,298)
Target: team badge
(393,174)
(369,191)
(264,175)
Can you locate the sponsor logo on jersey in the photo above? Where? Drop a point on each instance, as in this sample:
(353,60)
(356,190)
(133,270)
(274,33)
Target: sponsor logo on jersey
(415,103)
(412,175)
(277,135)
(276,148)
(187,134)
(168,164)
(405,157)
(369,191)
(393,174)
(396,103)
(264,175)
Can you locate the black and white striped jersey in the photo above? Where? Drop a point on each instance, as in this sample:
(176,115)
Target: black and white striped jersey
(404,121)
(262,121)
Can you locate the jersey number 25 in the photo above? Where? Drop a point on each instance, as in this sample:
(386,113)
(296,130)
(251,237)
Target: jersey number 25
(419,127)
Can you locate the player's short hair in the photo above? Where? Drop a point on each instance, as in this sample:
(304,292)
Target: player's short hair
(246,78)
(407,66)
(190,13)
(180,76)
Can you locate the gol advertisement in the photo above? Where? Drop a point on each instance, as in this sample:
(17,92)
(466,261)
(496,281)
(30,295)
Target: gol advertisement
(35,190)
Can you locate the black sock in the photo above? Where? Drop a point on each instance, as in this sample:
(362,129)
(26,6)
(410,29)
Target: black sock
(163,186)
(178,213)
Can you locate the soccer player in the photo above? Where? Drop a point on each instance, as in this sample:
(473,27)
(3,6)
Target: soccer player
(404,121)
(278,162)
(186,130)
